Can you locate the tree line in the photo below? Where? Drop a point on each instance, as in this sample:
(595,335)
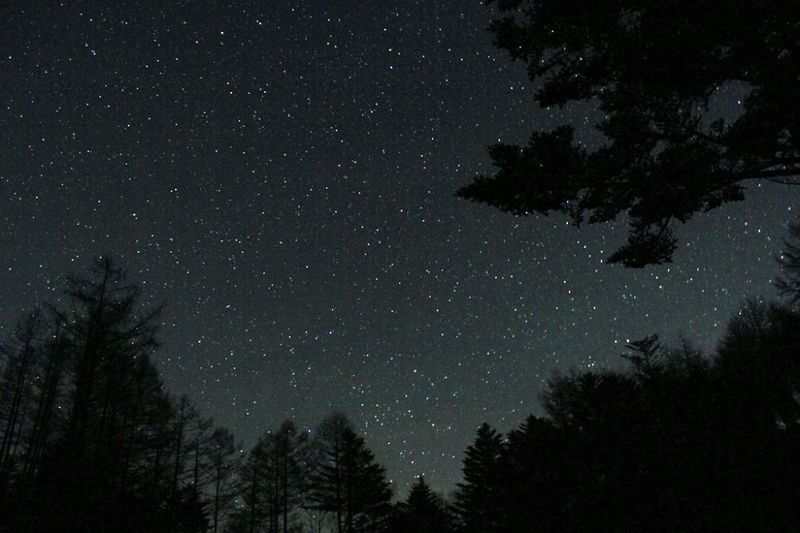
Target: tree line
(677,441)
(92,441)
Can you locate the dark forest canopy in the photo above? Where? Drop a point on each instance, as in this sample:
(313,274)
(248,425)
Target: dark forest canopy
(679,441)
(656,71)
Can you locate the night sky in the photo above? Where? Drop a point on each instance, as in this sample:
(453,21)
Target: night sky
(282,174)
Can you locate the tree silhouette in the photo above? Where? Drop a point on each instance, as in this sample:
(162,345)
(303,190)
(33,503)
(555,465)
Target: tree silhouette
(117,408)
(290,466)
(676,442)
(52,365)
(534,471)
(17,390)
(659,74)
(326,483)
(275,478)
(477,498)
(253,488)
(423,511)
(91,440)
(346,480)
(788,282)
(758,368)
(600,416)
(223,459)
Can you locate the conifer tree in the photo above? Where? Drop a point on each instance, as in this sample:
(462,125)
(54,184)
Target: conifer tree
(93,440)
(346,480)
(423,511)
(224,462)
(477,496)
(16,390)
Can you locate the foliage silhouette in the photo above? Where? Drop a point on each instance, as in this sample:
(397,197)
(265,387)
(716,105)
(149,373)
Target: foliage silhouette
(89,439)
(678,441)
(657,73)
(477,497)
(346,481)
(788,282)
(423,511)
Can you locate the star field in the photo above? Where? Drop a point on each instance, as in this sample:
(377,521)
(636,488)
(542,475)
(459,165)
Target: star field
(283,176)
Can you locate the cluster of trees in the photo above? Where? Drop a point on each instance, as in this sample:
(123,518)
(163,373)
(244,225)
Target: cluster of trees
(691,100)
(91,440)
(327,480)
(679,441)
(330,480)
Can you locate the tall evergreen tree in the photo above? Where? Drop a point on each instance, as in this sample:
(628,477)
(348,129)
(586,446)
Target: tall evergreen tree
(326,488)
(477,497)
(93,440)
(16,390)
(289,469)
(224,462)
(423,511)
(253,488)
(534,478)
(346,480)
(50,390)
(273,479)
(109,333)
(114,447)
